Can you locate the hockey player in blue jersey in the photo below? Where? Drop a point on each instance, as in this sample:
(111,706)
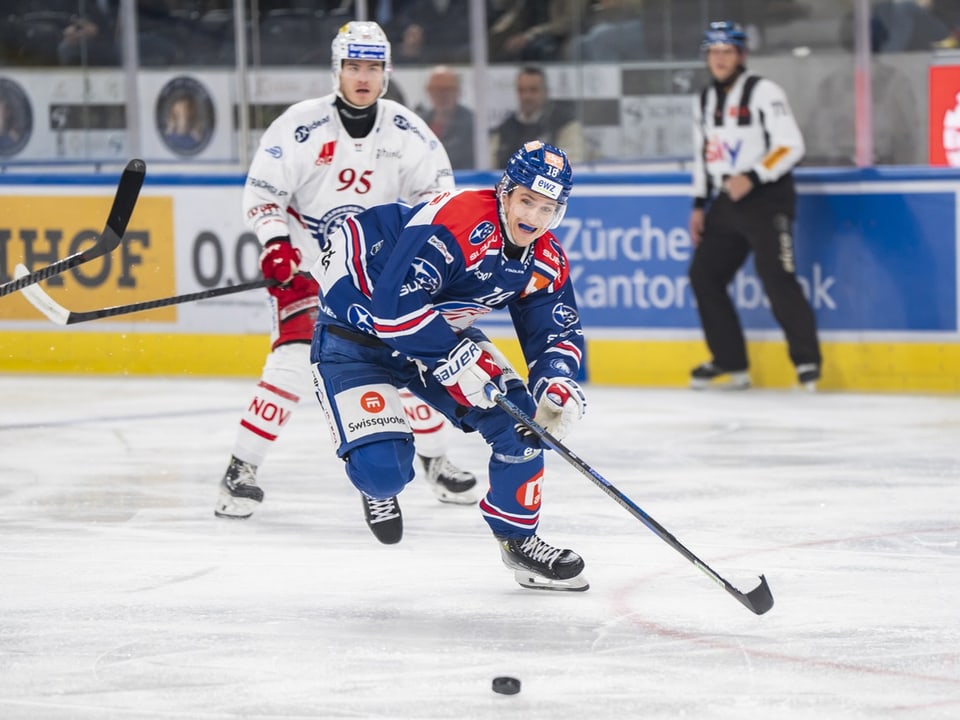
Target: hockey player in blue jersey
(401,288)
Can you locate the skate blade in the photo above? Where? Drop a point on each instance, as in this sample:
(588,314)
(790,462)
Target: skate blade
(234,508)
(467,497)
(722,384)
(537,582)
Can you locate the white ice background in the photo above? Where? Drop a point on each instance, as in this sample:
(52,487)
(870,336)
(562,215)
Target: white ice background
(121,596)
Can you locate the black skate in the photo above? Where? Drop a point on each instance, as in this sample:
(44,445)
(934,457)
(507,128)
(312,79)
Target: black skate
(383,518)
(807,376)
(708,375)
(239,493)
(540,566)
(449,483)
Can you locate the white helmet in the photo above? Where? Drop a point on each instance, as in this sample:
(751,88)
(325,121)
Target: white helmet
(358,40)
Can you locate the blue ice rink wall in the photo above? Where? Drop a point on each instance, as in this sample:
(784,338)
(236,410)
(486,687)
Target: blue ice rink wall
(876,251)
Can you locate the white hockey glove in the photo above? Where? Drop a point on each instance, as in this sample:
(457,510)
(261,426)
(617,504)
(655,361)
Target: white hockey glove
(560,403)
(466,371)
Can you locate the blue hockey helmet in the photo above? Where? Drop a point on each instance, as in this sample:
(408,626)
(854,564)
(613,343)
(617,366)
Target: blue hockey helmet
(542,168)
(724,32)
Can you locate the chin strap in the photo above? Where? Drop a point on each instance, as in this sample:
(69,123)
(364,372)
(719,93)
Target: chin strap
(510,248)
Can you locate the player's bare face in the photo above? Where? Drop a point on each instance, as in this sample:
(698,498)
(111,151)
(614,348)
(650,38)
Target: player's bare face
(722,61)
(528,215)
(361,81)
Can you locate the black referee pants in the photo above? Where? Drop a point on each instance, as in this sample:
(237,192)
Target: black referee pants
(731,231)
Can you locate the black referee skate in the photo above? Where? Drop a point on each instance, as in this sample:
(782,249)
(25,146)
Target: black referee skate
(807,375)
(449,483)
(383,518)
(709,375)
(540,566)
(239,493)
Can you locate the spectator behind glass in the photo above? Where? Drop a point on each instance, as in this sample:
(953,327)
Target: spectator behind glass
(908,25)
(831,127)
(615,33)
(158,33)
(536,118)
(948,11)
(434,31)
(534,29)
(89,39)
(450,121)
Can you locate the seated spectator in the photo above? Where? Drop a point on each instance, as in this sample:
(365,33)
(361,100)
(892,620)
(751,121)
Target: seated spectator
(159,33)
(948,11)
(534,30)
(33,36)
(615,33)
(830,131)
(536,118)
(450,121)
(89,39)
(433,31)
(909,25)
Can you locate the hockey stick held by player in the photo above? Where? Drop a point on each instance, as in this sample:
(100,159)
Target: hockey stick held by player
(401,290)
(759,600)
(321,161)
(124,201)
(60,315)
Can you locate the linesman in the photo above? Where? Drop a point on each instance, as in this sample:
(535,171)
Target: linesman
(746,144)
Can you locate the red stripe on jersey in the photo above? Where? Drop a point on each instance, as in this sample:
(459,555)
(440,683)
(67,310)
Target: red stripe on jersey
(296,216)
(356,259)
(570,348)
(400,327)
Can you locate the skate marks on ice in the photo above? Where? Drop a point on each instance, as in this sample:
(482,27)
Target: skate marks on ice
(124,597)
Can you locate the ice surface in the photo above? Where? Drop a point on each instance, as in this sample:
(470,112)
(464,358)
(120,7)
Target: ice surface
(121,596)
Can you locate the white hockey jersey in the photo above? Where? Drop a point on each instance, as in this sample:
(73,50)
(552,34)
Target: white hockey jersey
(308,174)
(753,130)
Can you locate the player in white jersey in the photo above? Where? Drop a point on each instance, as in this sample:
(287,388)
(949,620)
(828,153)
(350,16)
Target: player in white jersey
(322,160)
(746,143)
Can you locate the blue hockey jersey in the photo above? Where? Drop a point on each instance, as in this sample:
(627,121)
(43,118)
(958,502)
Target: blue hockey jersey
(419,277)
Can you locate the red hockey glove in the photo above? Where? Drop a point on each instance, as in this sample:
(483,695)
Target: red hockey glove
(465,373)
(279,260)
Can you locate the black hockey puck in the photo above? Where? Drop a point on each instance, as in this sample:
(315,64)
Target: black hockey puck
(506,685)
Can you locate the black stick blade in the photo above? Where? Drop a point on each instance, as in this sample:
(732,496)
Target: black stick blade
(124,202)
(758,600)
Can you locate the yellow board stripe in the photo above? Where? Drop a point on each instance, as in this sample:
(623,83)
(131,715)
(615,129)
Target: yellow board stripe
(859,366)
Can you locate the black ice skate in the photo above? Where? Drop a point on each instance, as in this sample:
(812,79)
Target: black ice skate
(239,493)
(449,483)
(383,518)
(540,566)
(807,376)
(708,375)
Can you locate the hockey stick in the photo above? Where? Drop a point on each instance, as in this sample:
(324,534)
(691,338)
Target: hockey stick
(128,190)
(62,316)
(759,600)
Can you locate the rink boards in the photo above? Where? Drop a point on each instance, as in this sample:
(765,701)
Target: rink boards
(876,251)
